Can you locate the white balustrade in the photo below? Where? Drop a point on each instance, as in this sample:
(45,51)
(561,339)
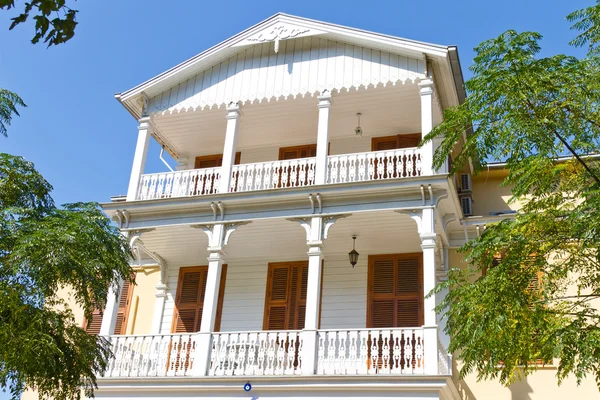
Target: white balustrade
(274,353)
(370,351)
(298,172)
(151,355)
(444,360)
(193,182)
(358,167)
(256,353)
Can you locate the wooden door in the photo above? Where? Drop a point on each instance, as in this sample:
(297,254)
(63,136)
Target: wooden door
(285,302)
(396,142)
(395,298)
(189,300)
(206,186)
(292,153)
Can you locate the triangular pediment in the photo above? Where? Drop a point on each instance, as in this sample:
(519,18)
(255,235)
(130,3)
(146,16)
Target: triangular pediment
(280,57)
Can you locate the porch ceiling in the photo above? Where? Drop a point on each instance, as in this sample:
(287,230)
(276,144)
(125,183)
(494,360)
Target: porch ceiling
(385,110)
(278,239)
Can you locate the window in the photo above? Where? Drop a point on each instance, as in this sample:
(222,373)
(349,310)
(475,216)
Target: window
(189,301)
(395,291)
(93,325)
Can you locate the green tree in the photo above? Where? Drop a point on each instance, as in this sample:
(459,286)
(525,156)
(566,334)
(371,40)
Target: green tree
(530,110)
(55,22)
(46,250)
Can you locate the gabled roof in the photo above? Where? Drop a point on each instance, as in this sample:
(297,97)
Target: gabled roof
(283,26)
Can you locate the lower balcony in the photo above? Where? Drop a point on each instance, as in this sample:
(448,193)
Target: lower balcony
(395,351)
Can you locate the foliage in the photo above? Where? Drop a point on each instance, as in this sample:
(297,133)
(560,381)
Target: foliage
(45,249)
(53,31)
(8,106)
(529,111)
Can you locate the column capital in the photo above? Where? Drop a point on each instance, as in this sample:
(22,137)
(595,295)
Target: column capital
(144,123)
(426,87)
(325,99)
(233,110)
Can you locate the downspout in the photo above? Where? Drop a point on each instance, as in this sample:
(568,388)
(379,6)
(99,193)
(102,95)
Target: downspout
(162,150)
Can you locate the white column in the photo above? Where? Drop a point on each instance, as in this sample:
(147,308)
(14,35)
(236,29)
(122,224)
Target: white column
(139,159)
(233,119)
(109,317)
(429,246)
(322,138)
(211,298)
(159,308)
(313,297)
(426,92)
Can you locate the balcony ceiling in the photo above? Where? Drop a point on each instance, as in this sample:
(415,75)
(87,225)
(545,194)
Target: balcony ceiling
(278,239)
(285,122)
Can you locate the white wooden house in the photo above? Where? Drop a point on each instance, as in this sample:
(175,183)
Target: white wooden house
(290,138)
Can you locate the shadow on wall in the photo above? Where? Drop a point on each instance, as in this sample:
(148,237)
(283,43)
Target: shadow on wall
(519,390)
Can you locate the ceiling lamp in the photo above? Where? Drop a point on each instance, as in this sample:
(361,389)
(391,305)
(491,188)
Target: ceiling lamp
(358,129)
(353,255)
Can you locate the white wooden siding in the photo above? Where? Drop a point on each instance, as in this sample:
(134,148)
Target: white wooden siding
(302,66)
(344,295)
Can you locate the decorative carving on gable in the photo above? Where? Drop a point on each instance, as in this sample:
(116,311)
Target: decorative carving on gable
(278,32)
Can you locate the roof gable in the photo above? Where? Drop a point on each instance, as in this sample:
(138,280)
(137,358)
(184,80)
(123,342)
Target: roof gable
(303,66)
(164,92)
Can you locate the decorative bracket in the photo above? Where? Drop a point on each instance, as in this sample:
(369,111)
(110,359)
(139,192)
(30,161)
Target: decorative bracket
(221,209)
(447,219)
(219,234)
(319,233)
(230,228)
(122,218)
(416,215)
(442,196)
(135,241)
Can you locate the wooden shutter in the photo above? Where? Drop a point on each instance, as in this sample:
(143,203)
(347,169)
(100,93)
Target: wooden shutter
(93,325)
(213,161)
(189,301)
(285,303)
(124,306)
(304,151)
(395,294)
(401,141)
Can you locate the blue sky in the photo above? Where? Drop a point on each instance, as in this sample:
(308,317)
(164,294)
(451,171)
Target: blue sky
(83,141)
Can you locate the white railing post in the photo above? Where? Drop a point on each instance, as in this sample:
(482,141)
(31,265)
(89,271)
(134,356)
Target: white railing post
(159,307)
(109,318)
(313,296)
(211,298)
(139,159)
(233,119)
(322,138)
(429,247)
(426,92)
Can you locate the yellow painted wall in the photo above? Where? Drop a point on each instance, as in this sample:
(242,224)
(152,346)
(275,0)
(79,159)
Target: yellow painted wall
(489,196)
(142,301)
(542,384)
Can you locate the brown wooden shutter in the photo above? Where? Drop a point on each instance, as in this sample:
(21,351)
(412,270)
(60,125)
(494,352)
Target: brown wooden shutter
(93,325)
(124,306)
(285,303)
(395,297)
(189,301)
(401,141)
(293,152)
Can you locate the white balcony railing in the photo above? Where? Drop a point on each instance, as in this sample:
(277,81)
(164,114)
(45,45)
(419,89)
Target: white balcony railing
(358,167)
(373,351)
(152,355)
(193,182)
(273,174)
(256,353)
(395,351)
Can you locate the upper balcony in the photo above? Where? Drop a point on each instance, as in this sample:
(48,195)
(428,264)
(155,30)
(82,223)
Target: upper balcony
(290,143)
